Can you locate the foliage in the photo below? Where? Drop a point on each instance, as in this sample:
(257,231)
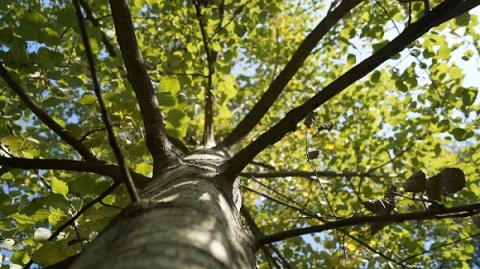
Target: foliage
(415,112)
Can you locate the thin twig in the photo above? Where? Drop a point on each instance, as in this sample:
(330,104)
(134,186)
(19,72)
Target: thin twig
(301,210)
(317,177)
(273,190)
(105,116)
(396,155)
(437,247)
(97,130)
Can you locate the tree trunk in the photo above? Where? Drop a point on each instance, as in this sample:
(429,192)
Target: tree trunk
(186,219)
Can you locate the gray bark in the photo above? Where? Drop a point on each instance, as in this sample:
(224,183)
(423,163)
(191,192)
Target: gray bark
(186,219)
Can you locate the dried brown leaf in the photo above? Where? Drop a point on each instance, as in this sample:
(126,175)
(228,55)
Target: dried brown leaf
(377,226)
(391,192)
(310,119)
(415,183)
(313,154)
(453,180)
(380,206)
(434,188)
(326,126)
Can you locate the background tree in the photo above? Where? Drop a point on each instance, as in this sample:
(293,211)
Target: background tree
(177,99)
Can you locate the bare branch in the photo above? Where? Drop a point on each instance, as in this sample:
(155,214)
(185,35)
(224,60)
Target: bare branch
(105,116)
(453,212)
(156,136)
(436,16)
(97,167)
(44,117)
(233,140)
(293,207)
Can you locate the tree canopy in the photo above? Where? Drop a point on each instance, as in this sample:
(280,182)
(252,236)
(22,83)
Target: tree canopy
(352,124)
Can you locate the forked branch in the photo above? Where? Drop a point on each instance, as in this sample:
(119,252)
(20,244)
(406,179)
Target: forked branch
(233,140)
(443,12)
(156,136)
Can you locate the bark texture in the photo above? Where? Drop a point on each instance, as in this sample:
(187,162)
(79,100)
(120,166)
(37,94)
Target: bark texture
(185,219)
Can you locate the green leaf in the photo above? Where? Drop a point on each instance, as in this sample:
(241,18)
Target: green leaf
(166,99)
(56,215)
(216,46)
(41,214)
(87,99)
(351,59)
(169,84)
(59,186)
(144,168)
(52,102)
(378,46)
(23,219)
(49,253)
(461,134)
(462,20)
(191,47)
(375,77)
(175,117)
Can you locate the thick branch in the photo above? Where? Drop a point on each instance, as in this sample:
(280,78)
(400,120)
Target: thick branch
(234,139)
(97,167)
(156,136)
(437,16)
(44,117)
(460,211)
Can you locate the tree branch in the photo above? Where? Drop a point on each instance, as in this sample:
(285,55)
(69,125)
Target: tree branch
(257,233)
(105,116)
(156,136)
(310,174)
(436,16)
(233,140)
(44,117)
(97,167)
(208,129)
(438,247)
(460,211)
(91,16)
